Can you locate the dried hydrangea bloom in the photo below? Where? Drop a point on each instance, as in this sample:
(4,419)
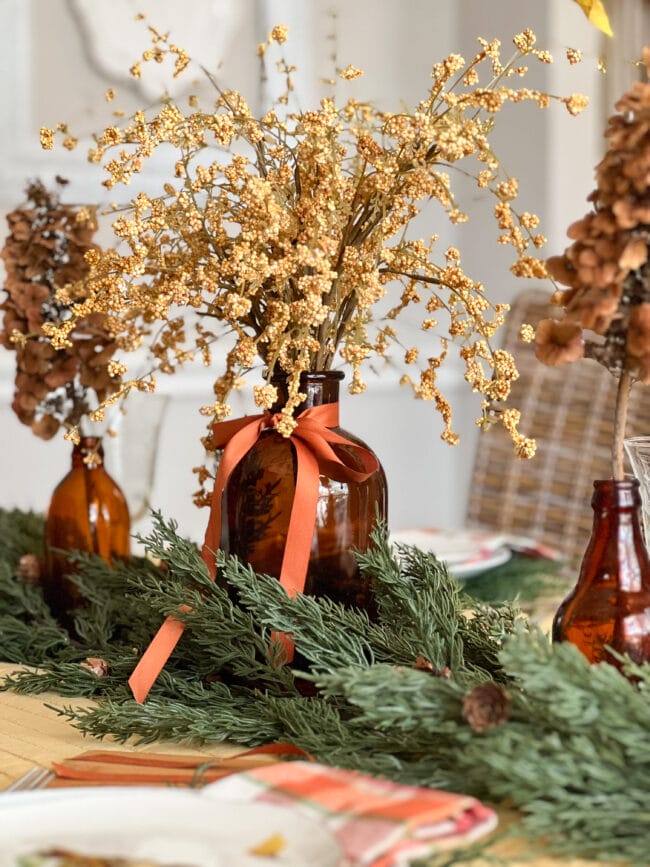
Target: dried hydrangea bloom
(607,267)
(45,250)
(288,229)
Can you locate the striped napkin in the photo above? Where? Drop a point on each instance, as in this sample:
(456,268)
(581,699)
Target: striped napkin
(377,823)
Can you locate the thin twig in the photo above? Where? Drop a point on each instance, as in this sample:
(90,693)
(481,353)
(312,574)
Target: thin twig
(620,419)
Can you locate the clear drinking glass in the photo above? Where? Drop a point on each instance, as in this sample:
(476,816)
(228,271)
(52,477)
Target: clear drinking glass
(638,452)
(133,454)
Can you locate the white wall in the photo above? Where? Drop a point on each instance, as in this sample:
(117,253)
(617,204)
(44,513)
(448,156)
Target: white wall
(56,60)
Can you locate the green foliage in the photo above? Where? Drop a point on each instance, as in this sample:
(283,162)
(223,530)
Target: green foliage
(200,714)
(385,698)
(28,632)
(521,577)
(20,533)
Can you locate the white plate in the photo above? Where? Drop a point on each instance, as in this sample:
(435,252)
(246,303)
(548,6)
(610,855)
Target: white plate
(168,826)
(475,567)
(466,552)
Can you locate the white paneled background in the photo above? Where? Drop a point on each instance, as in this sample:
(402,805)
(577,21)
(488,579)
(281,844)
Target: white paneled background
(57,58)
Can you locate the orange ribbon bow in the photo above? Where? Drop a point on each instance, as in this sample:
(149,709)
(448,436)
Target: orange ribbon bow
(312,440)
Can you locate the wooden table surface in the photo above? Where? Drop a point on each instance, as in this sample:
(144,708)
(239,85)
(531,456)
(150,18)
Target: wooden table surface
(33,734)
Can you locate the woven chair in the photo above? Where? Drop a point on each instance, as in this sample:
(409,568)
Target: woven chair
(569,410)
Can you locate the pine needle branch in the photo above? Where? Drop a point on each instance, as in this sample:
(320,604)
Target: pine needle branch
(24,643)
(211,717)
(20,533)
(324,632)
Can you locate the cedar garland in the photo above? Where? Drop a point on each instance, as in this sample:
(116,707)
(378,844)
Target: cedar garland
(442,690)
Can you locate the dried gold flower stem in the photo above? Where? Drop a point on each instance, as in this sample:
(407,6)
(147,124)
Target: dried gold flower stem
(292,239)
(424,278)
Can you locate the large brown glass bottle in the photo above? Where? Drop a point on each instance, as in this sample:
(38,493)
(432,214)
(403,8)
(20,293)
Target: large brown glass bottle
(87,512)
(257,504)
(610,604)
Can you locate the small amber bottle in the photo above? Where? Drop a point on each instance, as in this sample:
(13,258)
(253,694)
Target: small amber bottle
(87,512)
(610,605)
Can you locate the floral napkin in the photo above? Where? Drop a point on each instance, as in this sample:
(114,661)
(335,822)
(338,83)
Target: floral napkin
(377,823)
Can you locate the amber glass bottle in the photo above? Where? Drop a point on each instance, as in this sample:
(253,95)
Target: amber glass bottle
(610,604)
(87,512)
(257,504)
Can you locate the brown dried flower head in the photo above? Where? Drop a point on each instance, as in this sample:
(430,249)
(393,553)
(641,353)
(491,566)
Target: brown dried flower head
(558,342)
(45,252)
(486,706)
(288,230)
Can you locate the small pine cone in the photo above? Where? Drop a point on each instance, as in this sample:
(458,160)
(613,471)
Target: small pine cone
(424,664)
(95,665)
(29,569)
(486,706)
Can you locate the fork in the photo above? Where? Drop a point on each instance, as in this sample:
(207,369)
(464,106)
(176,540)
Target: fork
(34,778)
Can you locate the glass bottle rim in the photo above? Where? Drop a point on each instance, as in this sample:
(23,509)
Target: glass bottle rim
(312,375)
(626,484)
(87,445)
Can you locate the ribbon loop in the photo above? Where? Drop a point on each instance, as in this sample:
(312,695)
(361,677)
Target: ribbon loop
(313,441)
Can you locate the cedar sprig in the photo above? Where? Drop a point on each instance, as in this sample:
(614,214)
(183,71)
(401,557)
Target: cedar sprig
(18,595)
(431,615)
(325,632)
(20,533)
(210,716)
(221,638)
(69,679)
(30,642)
(163,543)
(428,615)
(225,640)
(112,613)
(28,631)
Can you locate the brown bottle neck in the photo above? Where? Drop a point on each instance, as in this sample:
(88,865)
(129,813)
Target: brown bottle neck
(617,537)
(319,388)
(85,448)
(613,497)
